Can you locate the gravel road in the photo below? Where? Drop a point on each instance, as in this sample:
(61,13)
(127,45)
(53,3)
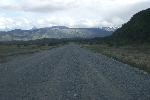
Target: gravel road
(71,73)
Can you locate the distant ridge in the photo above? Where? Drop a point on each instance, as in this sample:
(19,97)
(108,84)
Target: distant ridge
(57,32)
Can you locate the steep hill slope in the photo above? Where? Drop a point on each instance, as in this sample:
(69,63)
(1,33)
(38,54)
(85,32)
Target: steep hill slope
(136,30)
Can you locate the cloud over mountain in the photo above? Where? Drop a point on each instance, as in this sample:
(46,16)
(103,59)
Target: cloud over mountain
(73,13)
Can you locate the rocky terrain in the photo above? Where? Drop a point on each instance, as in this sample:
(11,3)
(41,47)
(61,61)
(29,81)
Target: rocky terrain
(71,73)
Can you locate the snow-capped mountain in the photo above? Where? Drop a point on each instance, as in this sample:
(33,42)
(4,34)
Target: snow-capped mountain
(54,32)
(109,28)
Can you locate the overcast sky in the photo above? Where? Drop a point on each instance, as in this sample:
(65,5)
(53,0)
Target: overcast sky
(25,14)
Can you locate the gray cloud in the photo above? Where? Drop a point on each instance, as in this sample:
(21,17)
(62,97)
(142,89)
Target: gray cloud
(73,13)
(40,9)
(45,8)
(40,6)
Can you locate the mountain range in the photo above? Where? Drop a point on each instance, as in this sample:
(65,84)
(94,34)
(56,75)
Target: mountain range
(57,32)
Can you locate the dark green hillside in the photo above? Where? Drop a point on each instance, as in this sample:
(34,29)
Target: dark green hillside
(137,30)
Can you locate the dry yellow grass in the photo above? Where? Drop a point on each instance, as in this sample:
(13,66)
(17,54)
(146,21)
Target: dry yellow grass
(7,51)
(136,56)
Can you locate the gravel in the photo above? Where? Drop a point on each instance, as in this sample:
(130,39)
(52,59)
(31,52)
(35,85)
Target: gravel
(71,73)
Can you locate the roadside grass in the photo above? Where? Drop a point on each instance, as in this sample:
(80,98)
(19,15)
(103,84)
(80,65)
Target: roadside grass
(7,51)
(136,56)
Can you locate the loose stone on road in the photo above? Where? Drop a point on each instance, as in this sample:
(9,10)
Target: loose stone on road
(71,73)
